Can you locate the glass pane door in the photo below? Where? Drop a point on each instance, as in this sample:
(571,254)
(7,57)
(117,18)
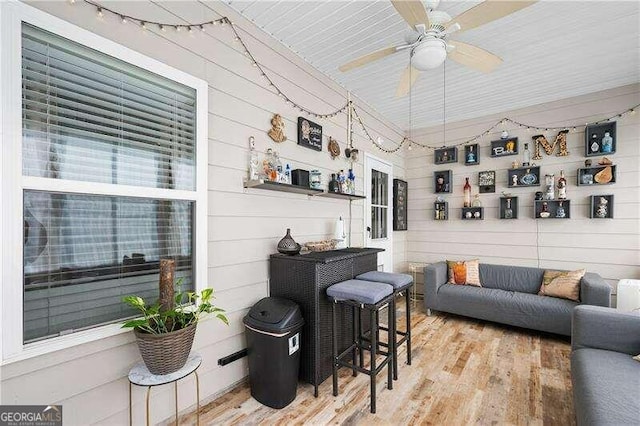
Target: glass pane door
(379,204)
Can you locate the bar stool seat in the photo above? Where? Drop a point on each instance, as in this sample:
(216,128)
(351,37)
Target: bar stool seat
(373,297)
(400,283)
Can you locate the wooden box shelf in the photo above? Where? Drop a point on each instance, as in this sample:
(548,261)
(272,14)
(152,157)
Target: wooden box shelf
(584,173)
(503,207)
(474,213)
(525,177)
(445,155)
(594,207)
(441,210)
(552,208)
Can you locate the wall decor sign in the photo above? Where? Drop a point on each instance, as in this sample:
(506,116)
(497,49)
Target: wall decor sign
(309,134)
(487,181)
(600,139)
(277,129)
(400,190)
(560,141)
(504,147)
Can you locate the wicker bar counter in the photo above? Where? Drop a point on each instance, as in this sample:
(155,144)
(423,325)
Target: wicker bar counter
(304,279)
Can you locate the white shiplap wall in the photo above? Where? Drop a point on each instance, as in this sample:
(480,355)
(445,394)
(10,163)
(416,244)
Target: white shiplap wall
(243,226)
(609,247)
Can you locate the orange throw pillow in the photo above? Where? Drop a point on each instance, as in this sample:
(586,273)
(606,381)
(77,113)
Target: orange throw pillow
(464,272)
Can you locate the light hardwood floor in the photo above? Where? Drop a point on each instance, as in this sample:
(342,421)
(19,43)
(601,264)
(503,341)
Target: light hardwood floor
(463,372)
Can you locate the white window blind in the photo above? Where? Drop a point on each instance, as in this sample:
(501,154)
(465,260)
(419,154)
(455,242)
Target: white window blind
(90,117)
(94,118)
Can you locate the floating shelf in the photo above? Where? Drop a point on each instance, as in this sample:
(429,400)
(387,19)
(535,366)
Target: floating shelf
(282,187)
(340,195)
(594,207)
(447,182)
(473,211)
(552,206)
(503,207)
(593,135)
(525,176)
(441,210)
(593,171)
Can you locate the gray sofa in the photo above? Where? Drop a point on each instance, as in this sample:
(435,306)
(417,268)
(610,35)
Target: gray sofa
(606,380)
(509,295)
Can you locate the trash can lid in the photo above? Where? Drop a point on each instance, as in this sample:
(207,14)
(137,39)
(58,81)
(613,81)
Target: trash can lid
(274,315)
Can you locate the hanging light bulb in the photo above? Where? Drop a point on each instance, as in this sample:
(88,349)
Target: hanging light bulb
(124,19)
(143,25)
(190,30)
(72,1)
(202,28)
(99,12)
(161,27)
(178,28)
(379,141)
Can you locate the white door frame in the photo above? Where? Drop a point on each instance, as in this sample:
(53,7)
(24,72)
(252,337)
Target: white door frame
(367,205)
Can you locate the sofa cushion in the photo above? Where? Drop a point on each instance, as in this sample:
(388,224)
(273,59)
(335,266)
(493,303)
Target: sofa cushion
(563,284)
(512,278)
(519,309)
(606,387)
(464,272)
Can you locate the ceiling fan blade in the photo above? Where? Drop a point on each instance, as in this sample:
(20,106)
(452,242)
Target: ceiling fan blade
(363,60)
(412,11)
(473,57)
(487,11)
(409,77)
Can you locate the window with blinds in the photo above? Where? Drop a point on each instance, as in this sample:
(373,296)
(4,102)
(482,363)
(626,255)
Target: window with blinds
(90,117)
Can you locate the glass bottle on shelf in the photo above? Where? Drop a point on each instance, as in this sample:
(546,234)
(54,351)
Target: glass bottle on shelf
(508,213)
(351,182)
(445,157)
(333,183)
(607,142)
(562,186)
(560,210)
(526,156)
(254,174)
(476,201)
(471,156)
(467,193)
(549,181)
(595,146)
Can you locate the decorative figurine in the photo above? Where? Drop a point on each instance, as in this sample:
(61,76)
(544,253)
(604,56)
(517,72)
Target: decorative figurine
(277,129)
(468,215)
(445,157)
(476,214)
(562,186)
(334,148)
(504,135)
(342,180)
(602,210)
(595,146)
(607,142)
(538,195)
(605,162)
(510,146)
(476,201)
(604,176)
(544,213)
(254,174)
(514,180)
(270,165)
(587,162)
(441,186)
(515,164)
(560,213)
(550,192)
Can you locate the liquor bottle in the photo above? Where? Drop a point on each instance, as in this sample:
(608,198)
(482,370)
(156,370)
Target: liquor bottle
(351,182)
(508,212)
(467,193)
(526,156)
(333,183)
(287,174)
(562,186)
(476,201)
(253,160)
(471,156)
(607,142)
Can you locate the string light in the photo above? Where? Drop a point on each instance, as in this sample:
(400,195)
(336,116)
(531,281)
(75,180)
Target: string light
(100,10)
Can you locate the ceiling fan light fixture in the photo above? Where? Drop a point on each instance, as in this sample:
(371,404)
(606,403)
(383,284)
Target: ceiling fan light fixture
(429,54)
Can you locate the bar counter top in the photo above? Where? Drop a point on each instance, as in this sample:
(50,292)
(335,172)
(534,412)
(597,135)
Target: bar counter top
(329,256)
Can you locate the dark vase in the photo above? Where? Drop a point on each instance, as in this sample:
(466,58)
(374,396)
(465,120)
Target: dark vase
(287,245)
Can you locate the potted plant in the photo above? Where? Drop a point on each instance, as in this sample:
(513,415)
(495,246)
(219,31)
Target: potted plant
(166,329)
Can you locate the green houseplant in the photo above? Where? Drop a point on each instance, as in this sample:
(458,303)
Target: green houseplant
(166,329)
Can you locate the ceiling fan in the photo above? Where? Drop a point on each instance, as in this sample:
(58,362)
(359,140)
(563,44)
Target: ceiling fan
(429,43)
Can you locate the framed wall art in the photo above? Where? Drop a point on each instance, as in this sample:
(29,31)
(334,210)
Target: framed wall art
(309,134)
(399,205)
(487,181)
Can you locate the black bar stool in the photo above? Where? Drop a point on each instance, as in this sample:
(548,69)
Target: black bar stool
(401,284)
(373,297)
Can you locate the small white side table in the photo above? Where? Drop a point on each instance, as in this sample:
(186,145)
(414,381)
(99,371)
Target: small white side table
(628,295)
(141,376)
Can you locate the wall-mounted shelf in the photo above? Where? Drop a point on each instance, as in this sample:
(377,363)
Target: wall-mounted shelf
(595,142)
(587,175)
(512,203)
(525,177)
(597,211)
(445,155)
(340,195)
(281,187)
(552,208)
(474,213)
(441,210)
(472,152)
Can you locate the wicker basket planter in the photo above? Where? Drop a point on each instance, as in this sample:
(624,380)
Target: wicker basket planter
(168,352)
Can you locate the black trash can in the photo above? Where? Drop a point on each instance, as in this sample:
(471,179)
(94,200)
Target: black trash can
(273,346)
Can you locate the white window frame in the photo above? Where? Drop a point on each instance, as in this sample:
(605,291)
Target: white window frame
(13,183)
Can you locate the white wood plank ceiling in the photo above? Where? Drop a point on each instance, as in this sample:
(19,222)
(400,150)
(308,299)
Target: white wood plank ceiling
(551,50)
